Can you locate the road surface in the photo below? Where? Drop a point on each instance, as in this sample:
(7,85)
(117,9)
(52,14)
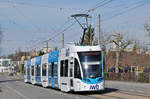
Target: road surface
(15,88)
(129,86)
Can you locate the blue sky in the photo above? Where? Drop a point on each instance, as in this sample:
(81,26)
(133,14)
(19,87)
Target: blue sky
(26,23)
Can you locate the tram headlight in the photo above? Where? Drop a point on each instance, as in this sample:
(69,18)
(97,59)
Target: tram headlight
(100,79)
(87,80)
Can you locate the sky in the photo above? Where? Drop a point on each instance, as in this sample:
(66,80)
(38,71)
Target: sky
(27,23)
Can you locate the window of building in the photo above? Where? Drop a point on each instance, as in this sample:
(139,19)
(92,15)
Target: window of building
(5,63)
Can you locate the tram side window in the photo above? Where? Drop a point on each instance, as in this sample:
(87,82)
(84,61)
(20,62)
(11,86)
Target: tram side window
(71,64)
(35,71)
(50,69)
(66,68)
(28,71)
(61,68)
(52,73)
(44,70)
(32,67)
(77,72)
(38,70)
(56,69)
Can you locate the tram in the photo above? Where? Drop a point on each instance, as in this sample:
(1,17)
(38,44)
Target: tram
(73,68)
(27,75)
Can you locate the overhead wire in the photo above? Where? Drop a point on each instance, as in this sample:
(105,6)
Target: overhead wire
(102,3)
(14,6)
(66,22)
(28,19)
(25,17)
(118,14)
(43,6)
(88,11)
(127,10)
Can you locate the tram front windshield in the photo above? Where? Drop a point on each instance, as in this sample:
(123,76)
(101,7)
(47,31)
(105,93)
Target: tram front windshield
(91,64)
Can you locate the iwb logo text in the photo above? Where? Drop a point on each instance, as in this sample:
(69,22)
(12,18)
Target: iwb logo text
(94,87)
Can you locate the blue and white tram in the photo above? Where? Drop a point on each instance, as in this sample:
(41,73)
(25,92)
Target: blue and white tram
(33,70)
(73,68)
(81,68)
(27,71)
(53,65)
(44,71)
(37,69)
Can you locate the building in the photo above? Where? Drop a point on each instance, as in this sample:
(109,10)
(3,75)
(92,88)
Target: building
(6,65)
(128,59)
(47,50)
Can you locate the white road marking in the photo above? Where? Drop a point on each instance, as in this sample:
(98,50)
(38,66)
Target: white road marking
(140,91)
(19,93)
(130,90)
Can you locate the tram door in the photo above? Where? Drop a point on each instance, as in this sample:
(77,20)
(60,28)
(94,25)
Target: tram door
(64,77)
(71,73)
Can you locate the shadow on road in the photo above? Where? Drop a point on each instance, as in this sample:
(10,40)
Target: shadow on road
(10,80)
(0,89)
(107,90)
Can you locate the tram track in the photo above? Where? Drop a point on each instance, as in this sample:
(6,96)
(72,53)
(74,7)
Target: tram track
(133,93)
(121,94)
(108,93)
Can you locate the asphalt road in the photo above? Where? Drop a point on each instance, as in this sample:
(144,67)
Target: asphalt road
(143,88)
(15,88)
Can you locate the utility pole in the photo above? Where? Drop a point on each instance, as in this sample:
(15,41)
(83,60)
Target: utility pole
(99,31)
(47,46)
(100,41)
(63,40)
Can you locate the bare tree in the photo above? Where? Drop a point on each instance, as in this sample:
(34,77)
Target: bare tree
(124,40)
(147,28)
(121,44)
(121,40)
(125,44)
